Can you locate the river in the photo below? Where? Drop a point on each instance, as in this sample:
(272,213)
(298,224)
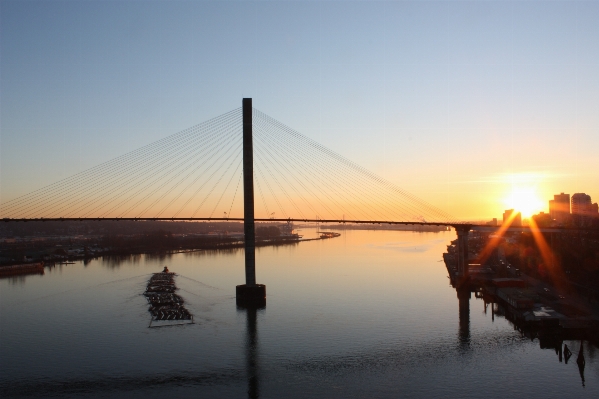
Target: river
(367,314)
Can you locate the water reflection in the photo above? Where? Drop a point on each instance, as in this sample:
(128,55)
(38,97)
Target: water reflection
(251,353)
(115,261)
(160,257)
(464,316)
(580,361)
(550,336)
(20,279)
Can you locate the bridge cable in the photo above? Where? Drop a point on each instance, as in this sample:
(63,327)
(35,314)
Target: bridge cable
(103,175)
(422,205)
(111,164)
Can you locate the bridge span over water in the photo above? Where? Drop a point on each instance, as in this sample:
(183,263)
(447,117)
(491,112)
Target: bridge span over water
(473,226)
(196,175)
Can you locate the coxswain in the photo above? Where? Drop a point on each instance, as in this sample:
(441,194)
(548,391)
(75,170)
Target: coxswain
(165,270)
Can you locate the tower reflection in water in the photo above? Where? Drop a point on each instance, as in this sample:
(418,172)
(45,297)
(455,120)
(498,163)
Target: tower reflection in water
(251,351)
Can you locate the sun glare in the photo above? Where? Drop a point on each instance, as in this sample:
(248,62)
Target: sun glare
(524,200)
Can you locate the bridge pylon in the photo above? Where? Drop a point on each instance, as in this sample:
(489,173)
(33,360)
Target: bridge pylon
(249,294)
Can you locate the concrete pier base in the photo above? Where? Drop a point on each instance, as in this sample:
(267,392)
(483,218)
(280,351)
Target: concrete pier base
(251,296)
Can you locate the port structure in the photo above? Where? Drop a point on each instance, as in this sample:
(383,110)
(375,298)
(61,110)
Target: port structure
(250,294)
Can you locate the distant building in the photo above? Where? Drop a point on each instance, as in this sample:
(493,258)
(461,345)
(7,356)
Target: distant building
(582,208)
(580,203)
(559,208)
(492,222)
(517,218)
(595,214)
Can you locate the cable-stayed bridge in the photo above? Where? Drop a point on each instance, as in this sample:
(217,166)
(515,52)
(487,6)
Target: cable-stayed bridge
(242,165)
(196,175)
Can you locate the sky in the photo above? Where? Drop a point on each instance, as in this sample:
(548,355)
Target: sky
(469,105)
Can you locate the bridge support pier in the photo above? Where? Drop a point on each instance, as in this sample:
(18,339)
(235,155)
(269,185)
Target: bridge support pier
(462,255)
(249,294)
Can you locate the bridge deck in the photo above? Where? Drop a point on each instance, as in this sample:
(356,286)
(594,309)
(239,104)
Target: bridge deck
(462,225)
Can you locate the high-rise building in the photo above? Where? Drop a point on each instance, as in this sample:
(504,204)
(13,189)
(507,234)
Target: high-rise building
(581,208)
(517,218)
(559,208)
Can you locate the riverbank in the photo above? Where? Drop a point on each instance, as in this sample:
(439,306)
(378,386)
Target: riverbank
(392,227)
(53,253)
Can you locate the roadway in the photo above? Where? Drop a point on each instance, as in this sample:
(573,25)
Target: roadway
(460,225)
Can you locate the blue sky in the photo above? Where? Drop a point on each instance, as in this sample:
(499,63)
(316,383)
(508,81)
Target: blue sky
(452,100)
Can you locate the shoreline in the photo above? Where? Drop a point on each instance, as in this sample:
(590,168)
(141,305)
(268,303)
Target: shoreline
(24,267)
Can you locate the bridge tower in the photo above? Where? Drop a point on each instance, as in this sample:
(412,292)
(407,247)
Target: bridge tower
(249,294)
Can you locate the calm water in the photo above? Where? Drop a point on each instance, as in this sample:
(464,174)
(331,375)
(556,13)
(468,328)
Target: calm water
(368,314)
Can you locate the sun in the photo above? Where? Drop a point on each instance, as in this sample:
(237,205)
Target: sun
(524,200)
